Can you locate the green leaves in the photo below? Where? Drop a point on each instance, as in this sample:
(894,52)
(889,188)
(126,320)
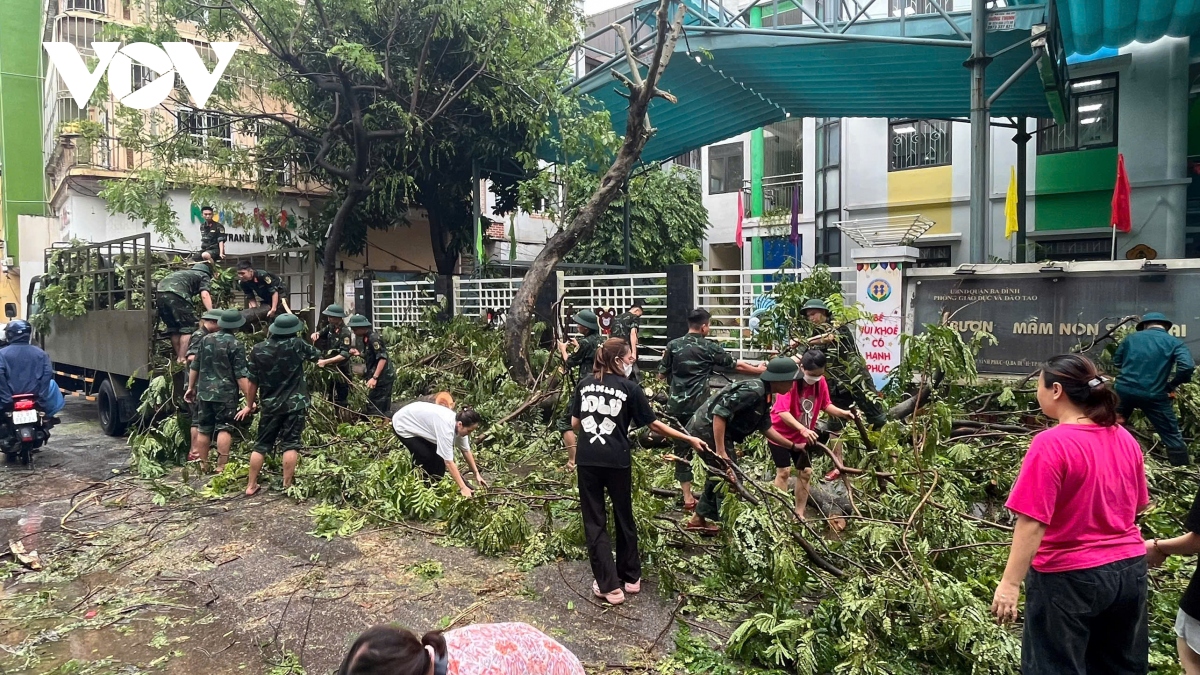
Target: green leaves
(356,57)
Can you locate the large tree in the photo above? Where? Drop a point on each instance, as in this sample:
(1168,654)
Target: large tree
(372,99)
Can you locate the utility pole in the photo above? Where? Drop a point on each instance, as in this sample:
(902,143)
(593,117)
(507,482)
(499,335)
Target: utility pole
(628,233)
(1022,139)
(980,133)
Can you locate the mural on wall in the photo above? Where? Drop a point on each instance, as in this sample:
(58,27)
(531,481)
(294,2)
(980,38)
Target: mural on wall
(258,226)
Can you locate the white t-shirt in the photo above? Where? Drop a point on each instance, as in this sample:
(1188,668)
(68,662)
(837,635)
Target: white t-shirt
(434,423)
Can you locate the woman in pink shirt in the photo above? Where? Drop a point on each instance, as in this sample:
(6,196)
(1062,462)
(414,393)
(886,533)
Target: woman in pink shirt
(794,416)
(478,649)
(1077,497)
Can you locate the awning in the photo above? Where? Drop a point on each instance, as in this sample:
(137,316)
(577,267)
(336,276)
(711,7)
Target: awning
(1089,25)
(731,80)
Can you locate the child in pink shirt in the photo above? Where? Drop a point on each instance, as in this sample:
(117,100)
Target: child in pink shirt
(478,649)
(794,416)
(1077,497)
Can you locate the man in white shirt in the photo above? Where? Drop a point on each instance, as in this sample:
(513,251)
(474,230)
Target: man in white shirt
(431,431)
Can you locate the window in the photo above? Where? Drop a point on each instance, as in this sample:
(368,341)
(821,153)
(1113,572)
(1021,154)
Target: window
(829,191)
(1075,249)
(783,165)
(912,7)
(917,144)
(80,32)
(273,166)
(724,168)
(1092,118)
(933,256)
(689,159)
(208,131)
(86,5)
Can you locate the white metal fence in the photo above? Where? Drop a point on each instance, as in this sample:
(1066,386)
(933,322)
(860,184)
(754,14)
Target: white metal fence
(731,297)
(478,297)
(400,303)
(615,293)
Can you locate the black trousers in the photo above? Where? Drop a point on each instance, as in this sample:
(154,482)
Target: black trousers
(1087,622)
(594,481)
(425,456)
(1160,413)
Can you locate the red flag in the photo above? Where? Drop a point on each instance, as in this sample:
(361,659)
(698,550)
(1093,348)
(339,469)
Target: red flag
(737,235)
(1120,200)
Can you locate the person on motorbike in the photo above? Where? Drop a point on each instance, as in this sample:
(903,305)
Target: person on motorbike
(26,369)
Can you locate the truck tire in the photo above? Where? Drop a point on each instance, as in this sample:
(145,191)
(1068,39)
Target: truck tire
(108,403)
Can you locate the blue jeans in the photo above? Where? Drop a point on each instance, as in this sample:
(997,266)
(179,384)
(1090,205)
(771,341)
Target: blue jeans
(1160,412)
(1087,622)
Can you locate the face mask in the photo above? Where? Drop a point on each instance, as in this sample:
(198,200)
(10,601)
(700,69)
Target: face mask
(811,379)
(628,368)
(440,665)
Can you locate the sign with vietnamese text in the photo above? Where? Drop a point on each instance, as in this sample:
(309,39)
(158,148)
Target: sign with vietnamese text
(1036,316)
(878,337)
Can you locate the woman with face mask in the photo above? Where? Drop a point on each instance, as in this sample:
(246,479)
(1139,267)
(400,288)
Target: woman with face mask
(605,405)
(478,649)
(794,416)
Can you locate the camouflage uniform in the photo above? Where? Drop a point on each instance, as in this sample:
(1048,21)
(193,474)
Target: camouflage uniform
(277,367)
(262,286)
(333,342)
(688,362)
(192,350)
(374,350)
(212,235)
(849,382)
(174,299)
(581,361)
(221,362)
(746,407)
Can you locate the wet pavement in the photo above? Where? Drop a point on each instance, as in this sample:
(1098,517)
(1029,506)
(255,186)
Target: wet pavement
(239,585)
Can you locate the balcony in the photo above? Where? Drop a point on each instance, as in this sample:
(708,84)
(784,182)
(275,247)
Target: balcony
(777,195)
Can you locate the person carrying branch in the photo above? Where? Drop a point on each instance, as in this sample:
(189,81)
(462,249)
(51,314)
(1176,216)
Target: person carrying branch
(215,377)
(431,431)
(579,363)
(260,287)
(277,377)
(174,295)
(606,404)
(794,416)
(626,326)
(381,377)
(334,341)
(688,362)
(1153,364)
(728,418)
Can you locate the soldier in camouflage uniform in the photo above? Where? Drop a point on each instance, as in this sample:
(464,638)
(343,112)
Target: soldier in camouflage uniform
(215,376)
(174,300)
(626,326)
(729,417)
(334,342)
(260,287)
(579,363)
(208,325)
(277,377)
(688,363)
(212,237)
(380,375)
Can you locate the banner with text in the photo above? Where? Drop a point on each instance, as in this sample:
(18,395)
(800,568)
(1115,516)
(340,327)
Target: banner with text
(879,293)
(1036,316)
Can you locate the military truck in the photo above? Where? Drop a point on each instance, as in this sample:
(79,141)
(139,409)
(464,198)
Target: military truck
(111,351)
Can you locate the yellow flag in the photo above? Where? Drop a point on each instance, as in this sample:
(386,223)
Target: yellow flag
(1010,205)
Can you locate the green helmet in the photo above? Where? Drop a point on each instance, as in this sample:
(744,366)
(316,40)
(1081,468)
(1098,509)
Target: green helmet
(203,267)
(286,324)
(780,369)
(231,319)
(212,315)
(587,319)
(335,310)
(359,321)
(816,303)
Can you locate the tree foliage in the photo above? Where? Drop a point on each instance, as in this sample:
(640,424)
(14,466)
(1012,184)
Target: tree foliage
(667,221)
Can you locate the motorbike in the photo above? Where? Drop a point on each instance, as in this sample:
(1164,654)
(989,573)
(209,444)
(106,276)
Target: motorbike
(28,430)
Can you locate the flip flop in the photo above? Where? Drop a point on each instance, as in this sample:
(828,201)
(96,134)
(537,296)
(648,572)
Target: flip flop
(690,506)
(704,530)
(833,475)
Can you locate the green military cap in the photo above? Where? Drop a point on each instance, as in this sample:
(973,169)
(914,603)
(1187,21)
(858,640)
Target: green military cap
(587,319)
(335,310)
(203,267)
(212,315)
(359,321)
(1154,317)
(815,303)
(780,369)
(285,324)
(231,319)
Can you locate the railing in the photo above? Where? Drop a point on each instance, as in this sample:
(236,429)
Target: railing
(400,303)
(484,297)
(778,192)
(615,293)
(730,297)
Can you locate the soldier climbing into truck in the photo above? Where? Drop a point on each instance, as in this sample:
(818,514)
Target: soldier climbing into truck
(174,297)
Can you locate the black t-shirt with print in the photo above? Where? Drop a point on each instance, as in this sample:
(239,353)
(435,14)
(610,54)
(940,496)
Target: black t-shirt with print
(1190,602)
(605,410)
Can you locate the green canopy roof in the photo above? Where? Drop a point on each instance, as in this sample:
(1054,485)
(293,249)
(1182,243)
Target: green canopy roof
(731,82)
(1089,25)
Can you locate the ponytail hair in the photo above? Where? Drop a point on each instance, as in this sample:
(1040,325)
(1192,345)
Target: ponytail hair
(608,357)
(387,650)
(1085,385)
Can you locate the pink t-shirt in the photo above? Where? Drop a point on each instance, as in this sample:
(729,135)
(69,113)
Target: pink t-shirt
(805,402)
(1087,484)
(507,649)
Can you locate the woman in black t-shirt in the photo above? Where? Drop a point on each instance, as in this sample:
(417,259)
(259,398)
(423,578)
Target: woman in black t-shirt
(605,405)
(1187,621)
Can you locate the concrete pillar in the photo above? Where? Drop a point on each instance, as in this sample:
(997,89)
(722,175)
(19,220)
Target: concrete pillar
(681,298)
(881,294)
